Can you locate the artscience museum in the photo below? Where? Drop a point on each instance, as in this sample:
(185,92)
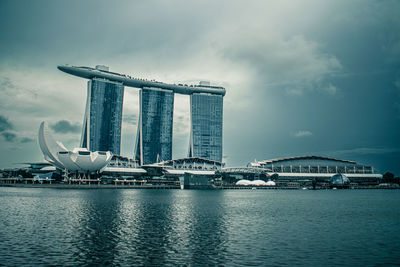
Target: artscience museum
(76,160)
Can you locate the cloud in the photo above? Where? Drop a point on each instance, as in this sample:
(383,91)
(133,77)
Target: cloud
(302,133)
(331,89)
(64,126)
(26,140)
(5,124)
(298,89)
(6,132)
(5,83)
(279,67)
(9,136)
(294,90)
(367,151)
(295,64)
(182,125)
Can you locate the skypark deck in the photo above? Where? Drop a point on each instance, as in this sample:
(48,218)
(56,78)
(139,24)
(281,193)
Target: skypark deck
(89,73)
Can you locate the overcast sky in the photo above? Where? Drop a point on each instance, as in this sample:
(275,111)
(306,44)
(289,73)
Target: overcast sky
(302,77)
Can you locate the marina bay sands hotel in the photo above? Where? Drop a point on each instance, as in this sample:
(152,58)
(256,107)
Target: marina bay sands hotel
(102,121)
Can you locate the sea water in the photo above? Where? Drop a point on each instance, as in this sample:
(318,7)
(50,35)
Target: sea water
(194,227)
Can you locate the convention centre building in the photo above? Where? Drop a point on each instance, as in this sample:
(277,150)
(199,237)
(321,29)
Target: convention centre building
(317,168)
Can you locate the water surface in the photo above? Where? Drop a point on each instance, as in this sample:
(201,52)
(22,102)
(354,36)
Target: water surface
(189,227)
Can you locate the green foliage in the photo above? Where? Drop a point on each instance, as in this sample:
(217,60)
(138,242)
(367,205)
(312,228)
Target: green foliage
(388,177)
(274,177)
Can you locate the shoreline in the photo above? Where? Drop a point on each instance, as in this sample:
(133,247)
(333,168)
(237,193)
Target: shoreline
(91,186)
(110,186)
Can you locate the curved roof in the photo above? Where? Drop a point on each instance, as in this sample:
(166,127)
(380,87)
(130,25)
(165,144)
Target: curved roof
(255,182)
(258,182)
(271,161)
(245,170)
(271,183)
(189,160)
(243,182)
(90,73)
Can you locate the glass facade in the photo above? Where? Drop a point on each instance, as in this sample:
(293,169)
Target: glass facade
(103,117)
(206,126)
(339,180)
(154,138)
(193,181)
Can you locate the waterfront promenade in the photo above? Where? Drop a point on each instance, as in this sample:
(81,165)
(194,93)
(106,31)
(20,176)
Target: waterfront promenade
(125,185)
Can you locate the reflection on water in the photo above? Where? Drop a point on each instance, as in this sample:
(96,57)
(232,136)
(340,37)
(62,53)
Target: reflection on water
(97,222)
(201,230)
(179,227)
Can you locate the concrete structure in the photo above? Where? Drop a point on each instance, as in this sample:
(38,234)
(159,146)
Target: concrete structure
(195,181)
(50,147)
(102,122)
(339,180)
(80,165)
(78,160)
(126,80)
(122,167)
(317,167)
(206,116)
(193,164)
(84,161)
(154,138)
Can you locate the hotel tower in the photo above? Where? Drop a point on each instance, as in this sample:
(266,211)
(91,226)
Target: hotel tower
(102,123)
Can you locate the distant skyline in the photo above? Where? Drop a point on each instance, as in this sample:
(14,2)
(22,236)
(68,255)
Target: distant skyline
(302,77)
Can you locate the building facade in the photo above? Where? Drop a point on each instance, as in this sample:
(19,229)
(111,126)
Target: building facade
(319,168)
(154,137)
(206,115)
(101,129)
(102,122)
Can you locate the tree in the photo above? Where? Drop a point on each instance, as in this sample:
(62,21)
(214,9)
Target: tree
(274,177)
(388,177)
(314,183)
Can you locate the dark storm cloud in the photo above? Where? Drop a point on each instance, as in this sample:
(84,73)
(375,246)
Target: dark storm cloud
(345,94)
(6,131)
(5,124)
(64,127)
(9,136)
(67,31)
(308,75)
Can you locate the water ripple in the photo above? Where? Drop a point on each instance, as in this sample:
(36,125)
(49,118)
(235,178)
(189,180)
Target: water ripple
(175,227)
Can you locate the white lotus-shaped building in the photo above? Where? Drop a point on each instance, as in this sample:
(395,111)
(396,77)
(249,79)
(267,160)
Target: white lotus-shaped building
(79,159)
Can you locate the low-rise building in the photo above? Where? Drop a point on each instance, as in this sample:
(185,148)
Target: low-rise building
(303,168)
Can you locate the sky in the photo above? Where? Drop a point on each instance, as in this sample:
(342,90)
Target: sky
(304,77)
